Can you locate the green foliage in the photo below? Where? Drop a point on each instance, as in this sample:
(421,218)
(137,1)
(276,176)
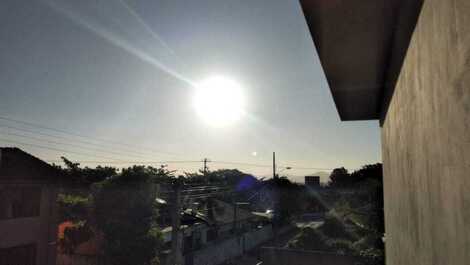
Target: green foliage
(364,243)
(126,215)
(124,208)
(334,228)
(288,197)
(365,203)
(313,239)
(373,256)
(73,207)
(359,205)
(341,246)
(309,239)
(230,177)
(339,178)
(86,175)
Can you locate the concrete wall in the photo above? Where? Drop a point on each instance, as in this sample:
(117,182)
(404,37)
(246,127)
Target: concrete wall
(41,230)
(281,256)
(426,143)
(220,251)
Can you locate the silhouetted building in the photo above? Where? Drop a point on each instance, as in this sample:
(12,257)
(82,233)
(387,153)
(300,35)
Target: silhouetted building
(28,223)
(312,181)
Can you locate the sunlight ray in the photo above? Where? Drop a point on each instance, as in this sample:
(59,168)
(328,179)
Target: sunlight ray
(146,26)
(116,39)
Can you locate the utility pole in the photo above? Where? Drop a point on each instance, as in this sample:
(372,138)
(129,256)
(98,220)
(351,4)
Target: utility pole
(205,169)
(274,165)
(176,238)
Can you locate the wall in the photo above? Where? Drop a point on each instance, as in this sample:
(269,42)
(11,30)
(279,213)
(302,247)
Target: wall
(40,230)
(281,256)
(75,259)
(426,143)
(220,251)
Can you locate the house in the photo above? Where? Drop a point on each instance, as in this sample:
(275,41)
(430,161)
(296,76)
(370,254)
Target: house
(312,181)
(203,228)
(28,223)
(209,239)
(406,64)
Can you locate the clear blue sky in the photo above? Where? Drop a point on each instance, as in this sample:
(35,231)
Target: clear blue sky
(118,70)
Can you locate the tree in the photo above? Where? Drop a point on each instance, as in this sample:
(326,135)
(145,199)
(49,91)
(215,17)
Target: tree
(125,213)
(287,197)
(85,176)
(309,239)
(73,208)
(334,228)
(339,178)
(231,177)
(369,180)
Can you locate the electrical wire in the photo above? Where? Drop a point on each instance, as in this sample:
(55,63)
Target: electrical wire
(127,152)
(81,135)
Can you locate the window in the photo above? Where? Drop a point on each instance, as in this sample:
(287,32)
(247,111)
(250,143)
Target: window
(20,255)
(19,202)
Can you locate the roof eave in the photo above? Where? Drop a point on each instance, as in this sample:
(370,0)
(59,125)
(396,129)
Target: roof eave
(361,45)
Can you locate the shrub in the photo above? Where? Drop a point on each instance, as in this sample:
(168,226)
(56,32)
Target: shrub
(334,228)
(73,207)
(341,246)
(309,239)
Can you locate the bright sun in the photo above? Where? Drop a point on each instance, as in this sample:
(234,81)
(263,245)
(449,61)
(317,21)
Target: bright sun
(219,101)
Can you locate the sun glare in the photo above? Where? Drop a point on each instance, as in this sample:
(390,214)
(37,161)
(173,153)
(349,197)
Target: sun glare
(219,101)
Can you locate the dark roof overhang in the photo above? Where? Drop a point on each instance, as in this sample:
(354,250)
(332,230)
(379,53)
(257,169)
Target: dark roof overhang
(361,45)
(19,166)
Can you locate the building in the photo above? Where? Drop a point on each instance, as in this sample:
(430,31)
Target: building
(214,240)
(406,64)
(28,224)
(312,181)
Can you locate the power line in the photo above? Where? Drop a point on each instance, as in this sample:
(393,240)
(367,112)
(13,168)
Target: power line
(266,165)
(81,135)
(194,161)
(60,143)
(72,140)
(132,162)
(239,163)
(110,142)
(53,149)
(310,168)
(164,161)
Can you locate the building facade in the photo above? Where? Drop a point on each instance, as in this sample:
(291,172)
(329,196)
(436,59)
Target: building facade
(312,181)
(28,215)
(406,63)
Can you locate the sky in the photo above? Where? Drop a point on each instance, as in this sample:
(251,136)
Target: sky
(112,82)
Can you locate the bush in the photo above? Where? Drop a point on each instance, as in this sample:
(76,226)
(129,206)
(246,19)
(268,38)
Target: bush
(373,256)
(309,239)
(126,215)
(73,207)
(341,246)
(334,228)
